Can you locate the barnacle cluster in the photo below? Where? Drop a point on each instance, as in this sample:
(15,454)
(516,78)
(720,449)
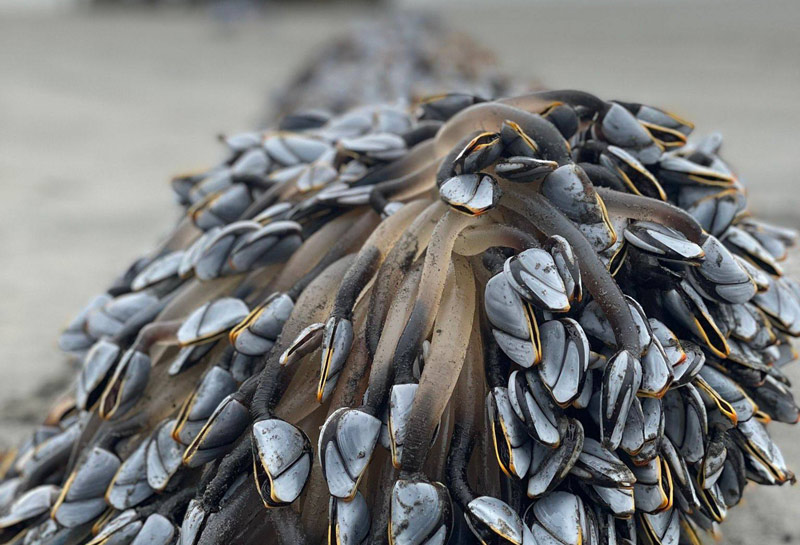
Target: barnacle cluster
(546,319)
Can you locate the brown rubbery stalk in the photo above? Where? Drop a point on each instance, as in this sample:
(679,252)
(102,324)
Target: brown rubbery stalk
(598,280)
(380,375)
(408,247)
(371,256)
(639,207)
(449,343)
(434,275)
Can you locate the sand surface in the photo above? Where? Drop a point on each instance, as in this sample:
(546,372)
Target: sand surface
(98,109)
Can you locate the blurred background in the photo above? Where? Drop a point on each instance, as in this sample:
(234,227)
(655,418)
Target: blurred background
(100,102)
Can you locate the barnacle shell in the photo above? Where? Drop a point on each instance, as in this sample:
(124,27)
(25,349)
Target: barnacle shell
(346,444)
(282,461)
(421,513)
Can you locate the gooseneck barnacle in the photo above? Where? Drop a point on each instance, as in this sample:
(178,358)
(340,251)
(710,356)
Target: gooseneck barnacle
(545,318)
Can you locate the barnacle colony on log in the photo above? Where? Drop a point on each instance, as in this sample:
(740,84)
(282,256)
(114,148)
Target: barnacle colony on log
(537,320)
